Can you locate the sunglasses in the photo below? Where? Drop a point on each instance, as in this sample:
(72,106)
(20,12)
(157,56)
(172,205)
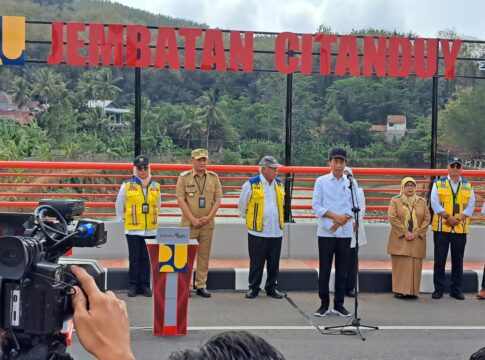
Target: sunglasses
(142,168)
(455,166)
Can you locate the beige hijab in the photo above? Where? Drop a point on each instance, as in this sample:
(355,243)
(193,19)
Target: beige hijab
(409,203)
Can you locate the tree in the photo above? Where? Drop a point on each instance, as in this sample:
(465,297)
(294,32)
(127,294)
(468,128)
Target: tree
(336,128)
(190,126)
(463,120)
(48,85)
(106,88)
(360,134)
(210,112)
(20,90)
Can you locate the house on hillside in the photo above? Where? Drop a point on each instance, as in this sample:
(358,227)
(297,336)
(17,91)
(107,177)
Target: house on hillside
(10,111)
(395,127)
(113,112)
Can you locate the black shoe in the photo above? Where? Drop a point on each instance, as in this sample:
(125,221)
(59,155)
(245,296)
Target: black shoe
(458,296)
(341,311)
(322,311)
(350,293)
(275,294)
(145,291)
(437,295)
(203,292)
(132,291)
(251,294)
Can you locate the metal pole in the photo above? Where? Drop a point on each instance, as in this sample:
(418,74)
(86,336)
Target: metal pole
(137,111)
(138,105)
(434,123)
(288,177)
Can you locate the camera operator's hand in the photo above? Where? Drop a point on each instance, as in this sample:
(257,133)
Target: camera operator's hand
(100,319)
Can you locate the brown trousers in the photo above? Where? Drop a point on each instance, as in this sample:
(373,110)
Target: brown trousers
(203,236)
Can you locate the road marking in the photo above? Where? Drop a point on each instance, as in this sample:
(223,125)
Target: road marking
(235,328)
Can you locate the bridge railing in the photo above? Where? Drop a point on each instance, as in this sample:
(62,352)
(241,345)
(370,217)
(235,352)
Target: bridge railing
(24,183)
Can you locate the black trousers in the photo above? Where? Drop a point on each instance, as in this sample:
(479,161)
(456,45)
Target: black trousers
(327,247)
(483,279)
(351,269)
(442,242)
(263,250)
(139,270)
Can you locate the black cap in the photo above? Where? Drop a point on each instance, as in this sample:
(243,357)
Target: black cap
(338,153)
(455,160)
(141,160)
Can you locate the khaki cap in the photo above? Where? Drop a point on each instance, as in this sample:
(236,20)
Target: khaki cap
(200,153)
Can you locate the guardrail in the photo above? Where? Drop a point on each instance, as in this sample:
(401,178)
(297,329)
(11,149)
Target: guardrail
(22,183)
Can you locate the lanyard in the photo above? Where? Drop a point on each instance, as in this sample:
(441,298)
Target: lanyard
(203,186)
(454,193)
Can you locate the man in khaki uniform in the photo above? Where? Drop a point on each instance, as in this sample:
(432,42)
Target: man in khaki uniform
(199,196)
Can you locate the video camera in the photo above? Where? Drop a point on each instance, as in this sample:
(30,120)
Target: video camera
(34,289)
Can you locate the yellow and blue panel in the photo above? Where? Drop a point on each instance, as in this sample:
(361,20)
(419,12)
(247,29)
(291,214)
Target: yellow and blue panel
(172,258)
(12,40)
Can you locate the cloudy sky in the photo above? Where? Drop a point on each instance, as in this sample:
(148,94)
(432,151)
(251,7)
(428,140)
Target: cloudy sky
(424,17)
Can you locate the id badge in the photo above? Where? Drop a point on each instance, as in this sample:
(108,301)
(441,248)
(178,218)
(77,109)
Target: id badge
(456,209)
(144,208)
(202,202)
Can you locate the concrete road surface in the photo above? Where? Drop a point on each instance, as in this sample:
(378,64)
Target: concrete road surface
(408,329)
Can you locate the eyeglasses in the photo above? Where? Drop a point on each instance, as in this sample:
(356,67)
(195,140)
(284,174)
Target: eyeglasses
(455,166)
(142,168)
(409,185)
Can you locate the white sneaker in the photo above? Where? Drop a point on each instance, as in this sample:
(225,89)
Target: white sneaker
(341,311)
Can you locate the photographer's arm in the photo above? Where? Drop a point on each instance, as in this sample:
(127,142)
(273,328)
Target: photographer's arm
(101,320)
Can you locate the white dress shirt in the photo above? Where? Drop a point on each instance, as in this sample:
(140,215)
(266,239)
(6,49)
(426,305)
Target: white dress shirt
(436,205)
(332,194)
(271,222)
(120,212)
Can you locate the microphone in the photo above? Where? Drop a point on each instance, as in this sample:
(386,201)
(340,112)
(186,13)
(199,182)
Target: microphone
(86,230)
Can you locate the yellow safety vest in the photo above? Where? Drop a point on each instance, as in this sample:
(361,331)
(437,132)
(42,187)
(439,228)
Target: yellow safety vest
(135,219)
(445,195)
(255,211)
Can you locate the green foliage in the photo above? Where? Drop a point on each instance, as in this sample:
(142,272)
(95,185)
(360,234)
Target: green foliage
(240,116)
(464,115)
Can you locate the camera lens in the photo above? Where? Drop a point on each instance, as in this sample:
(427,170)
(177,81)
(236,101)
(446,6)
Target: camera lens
(16,254)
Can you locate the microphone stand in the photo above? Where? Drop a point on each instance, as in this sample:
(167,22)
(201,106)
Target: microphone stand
(355,318)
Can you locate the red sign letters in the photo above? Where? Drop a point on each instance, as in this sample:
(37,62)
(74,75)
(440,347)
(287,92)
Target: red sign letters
(168,47)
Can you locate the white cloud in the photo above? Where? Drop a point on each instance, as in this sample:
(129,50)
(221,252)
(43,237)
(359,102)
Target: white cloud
(425,18)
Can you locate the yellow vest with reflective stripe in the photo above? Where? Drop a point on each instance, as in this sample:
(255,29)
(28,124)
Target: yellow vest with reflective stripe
(134,217)
(445,195)
(255,211)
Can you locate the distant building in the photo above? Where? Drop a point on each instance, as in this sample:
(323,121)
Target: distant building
(113,112)
(395,127)
(10,111)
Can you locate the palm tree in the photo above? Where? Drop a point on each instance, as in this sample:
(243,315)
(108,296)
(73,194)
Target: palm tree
(87,86)
(20,91)
(190,126)
(47,84)
(94,119)
(210,112)
(106,88)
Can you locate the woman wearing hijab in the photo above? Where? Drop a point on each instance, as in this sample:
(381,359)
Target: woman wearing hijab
(352,266)
(409,217)
(137,207)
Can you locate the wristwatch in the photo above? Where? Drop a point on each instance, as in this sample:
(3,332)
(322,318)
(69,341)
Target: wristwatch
(447,216)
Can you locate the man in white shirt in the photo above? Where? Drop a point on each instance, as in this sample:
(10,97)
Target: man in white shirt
(453,203)
(332,204)
(261,204)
